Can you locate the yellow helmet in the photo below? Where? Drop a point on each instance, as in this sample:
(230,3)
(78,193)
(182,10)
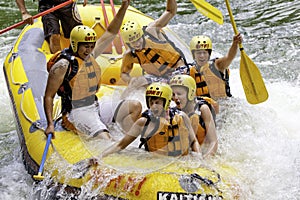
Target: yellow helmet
(200,42)
(185,81)
(161,90)
(131,31)
(81,33)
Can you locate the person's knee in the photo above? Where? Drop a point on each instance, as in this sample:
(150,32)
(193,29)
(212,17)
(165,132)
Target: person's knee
(55,43)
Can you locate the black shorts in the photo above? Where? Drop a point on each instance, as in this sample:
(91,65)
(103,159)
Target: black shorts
(66,16)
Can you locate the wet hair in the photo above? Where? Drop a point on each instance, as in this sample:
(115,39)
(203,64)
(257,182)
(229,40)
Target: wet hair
(149,98)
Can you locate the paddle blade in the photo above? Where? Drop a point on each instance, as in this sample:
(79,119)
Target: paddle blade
(253,84)
(208,10)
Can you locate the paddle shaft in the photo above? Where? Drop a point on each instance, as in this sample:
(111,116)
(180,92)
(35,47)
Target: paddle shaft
(253,84)
(104,13)
(37,15)
(107,24)
(39,176)
(233,22)
(114,13)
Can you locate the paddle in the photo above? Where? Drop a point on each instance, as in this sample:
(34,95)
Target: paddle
(37,15)
(208,10)
(253,84)
(113,48)
(114,13)
(39,176)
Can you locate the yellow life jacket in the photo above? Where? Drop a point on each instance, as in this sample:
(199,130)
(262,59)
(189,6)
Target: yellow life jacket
(162,55)
(85,83)
(202,89)
(211,82)
(201,130)
(171,139)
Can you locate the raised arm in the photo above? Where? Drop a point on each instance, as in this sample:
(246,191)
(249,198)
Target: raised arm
(155,27)
(224,62)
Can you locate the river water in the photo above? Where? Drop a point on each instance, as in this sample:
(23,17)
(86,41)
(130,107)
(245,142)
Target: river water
(261,141)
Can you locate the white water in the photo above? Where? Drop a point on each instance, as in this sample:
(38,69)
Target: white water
(262,142)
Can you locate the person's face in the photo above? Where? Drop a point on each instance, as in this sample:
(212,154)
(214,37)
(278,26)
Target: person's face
(137,45)
(180,96)
(156,106)
(84,49)
(201,57)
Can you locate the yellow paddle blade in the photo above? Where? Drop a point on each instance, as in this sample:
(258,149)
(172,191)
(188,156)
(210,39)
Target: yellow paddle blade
(253,84)
(208,10)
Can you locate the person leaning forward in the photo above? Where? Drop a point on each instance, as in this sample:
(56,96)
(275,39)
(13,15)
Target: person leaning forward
(162,131)
(80,87)
(184,89)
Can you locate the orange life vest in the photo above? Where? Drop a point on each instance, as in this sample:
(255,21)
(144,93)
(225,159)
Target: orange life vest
(170,139)
(161,55)
(211,82)
(81,91)
(86,83)
(201,130)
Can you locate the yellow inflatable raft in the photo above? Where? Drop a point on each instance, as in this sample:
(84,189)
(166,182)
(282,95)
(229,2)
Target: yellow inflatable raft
(127,175)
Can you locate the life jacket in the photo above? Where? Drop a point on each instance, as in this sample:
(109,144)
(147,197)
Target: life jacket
(86,83)
(201,130)
(196,116)
(167,138)
(70,87)
(212,104)
(210,81)
(163,54)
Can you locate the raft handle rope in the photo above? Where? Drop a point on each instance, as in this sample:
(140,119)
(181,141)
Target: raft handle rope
(23,86)
(119,35)
(207,181)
